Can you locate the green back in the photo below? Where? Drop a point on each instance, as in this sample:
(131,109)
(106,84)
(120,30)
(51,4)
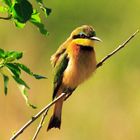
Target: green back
(59,69)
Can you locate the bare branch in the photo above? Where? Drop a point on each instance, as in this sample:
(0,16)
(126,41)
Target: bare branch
(37,116)
(46,108)
(40,125)
(116,50)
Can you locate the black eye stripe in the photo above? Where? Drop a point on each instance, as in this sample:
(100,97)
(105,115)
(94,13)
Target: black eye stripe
(76,36)
(83,36)
(80,36)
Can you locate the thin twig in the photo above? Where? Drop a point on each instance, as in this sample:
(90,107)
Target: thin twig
(36,116)
(98,65)
(40,125)
(6,18)
(46,108)
(116,50)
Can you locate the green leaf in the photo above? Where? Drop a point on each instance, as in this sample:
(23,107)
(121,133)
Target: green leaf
(35,19)
(25,95)
(19,24)
(24,68)
(48,11)
(20,81)
(39,76)
(35,16)
(33,106)
(8,2)
(27,70)
(6,79)
(14,69)
(2,53)
(22,10)
(13,55)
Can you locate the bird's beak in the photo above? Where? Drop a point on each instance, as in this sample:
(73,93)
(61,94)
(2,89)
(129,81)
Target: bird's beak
(95,38)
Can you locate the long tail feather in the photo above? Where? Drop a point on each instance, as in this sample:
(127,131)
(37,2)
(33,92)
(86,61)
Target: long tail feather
(55,121)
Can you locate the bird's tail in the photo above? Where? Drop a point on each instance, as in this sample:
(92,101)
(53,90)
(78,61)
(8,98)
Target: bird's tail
(55,121)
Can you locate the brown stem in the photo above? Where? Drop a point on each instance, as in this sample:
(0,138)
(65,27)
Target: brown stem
(116,50)
(98,65)
(20,131)
(46,108)
(40,125)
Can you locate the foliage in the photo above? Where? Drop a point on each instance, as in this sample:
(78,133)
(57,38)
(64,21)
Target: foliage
(22,11)
(10,68)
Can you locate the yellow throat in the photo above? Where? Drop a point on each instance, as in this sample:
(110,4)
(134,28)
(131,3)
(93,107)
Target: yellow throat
(83,42)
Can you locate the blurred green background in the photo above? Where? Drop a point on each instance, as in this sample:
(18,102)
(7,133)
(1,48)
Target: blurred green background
(105,107)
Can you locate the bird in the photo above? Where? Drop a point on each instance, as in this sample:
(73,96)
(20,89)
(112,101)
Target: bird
(73,63)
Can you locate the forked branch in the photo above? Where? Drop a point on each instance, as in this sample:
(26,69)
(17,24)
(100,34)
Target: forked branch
(40,124)
(36,116)
(46,108)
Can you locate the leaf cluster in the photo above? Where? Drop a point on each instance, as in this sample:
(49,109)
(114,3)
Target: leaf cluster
(22,11)
(11,68)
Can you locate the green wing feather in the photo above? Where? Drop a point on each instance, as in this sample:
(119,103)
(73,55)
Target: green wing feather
(59,69)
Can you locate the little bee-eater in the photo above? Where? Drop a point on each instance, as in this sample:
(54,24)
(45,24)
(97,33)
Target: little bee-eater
(73,63)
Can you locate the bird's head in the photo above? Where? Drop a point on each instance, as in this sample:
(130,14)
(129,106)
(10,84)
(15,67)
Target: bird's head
(84,35)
